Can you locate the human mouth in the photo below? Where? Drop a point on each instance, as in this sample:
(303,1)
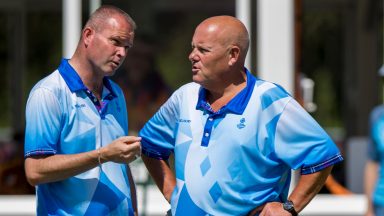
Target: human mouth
(195,69)
(115,63)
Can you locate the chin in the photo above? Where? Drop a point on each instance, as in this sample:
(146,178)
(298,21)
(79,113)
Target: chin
(199,81)
(196,80)
(109,73)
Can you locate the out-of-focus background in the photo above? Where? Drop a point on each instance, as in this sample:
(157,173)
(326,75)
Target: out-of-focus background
(327,53)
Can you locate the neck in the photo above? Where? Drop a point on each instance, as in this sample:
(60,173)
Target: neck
(88,76)
(221,97)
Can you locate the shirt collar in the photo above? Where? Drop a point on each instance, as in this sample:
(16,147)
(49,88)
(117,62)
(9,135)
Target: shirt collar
(73,80)
(237,104)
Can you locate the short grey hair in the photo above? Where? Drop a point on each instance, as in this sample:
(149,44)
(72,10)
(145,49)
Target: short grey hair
(103,13)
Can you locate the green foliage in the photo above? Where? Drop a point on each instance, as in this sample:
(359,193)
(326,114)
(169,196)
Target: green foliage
(322,62)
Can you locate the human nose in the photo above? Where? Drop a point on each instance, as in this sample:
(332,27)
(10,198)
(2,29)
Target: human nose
(192,56)
(121,51)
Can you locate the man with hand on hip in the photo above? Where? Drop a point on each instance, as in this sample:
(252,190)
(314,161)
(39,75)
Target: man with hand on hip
(235,137)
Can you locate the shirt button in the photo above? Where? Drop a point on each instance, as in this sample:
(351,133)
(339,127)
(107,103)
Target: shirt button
(210,119)
(206,134)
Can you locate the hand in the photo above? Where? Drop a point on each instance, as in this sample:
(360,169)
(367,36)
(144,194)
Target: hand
(256,210)
(122,150)
(369,213)
(274,209)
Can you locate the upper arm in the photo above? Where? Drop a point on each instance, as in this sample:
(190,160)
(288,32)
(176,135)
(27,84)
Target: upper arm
(376,140)
(43,123)
(301,142)
(158,134)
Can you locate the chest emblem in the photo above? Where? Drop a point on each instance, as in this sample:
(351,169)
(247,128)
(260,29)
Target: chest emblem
(241,125)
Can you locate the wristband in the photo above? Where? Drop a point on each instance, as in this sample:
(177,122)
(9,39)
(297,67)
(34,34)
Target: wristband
(99,156)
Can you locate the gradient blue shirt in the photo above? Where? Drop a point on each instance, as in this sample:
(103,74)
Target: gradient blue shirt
(63,118)
(376,151)
(230,161)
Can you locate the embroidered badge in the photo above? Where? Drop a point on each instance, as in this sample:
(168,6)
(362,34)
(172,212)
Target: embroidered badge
(241,125)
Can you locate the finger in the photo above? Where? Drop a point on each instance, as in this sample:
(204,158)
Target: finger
(130,139)
(262,213)
(135,146)
(133,149)
(260,208)
(132,157)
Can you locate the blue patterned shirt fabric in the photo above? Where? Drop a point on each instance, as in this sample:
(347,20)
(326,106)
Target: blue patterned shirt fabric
(62,117)
(231,161)
(376,151)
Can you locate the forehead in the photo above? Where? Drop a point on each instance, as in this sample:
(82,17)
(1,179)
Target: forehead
(205,34)
(118,26)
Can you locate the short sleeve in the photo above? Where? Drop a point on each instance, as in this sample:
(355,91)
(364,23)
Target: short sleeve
(301,142)
(43,115)
(376,134)
(158,136)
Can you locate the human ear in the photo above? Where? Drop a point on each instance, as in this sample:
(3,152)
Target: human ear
(87,35)
(234,53)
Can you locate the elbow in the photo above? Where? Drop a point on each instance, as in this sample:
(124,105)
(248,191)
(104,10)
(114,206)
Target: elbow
(31,173)
(32,178)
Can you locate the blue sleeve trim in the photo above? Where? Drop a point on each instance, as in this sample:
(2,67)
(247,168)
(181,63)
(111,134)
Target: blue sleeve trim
(316,168)
(148,149)
(39,152)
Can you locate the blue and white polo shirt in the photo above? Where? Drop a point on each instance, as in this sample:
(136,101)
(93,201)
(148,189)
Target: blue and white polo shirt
(231,161)
(376,151)
(61,118)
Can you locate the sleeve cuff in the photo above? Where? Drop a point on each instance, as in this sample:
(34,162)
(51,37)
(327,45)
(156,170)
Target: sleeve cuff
(316,168)
(149,149)
(39,152)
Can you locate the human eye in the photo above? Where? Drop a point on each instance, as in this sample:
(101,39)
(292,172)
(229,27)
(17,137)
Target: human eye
(127,47)
(114,41)
(200,49)
(203,50)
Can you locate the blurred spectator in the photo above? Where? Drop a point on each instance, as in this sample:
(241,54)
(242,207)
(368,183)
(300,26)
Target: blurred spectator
(374,173)
(12,176)
(143,85)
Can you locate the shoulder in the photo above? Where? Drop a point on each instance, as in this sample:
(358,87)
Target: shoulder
(270,87)
(189,87)
(270,93)
(377,111)
(47,95)
(183,96)
(53,83)
(187,90)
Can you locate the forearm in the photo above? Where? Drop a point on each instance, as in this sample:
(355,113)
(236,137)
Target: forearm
(41,170)
(307,187)
(370,178)
(45,169)
(133,190)
(162,175)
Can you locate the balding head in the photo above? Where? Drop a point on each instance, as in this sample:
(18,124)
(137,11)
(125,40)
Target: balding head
(228,30)
(219,48)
